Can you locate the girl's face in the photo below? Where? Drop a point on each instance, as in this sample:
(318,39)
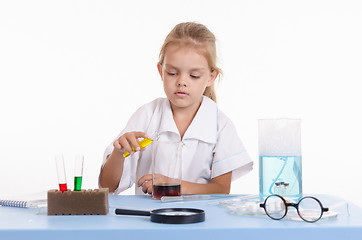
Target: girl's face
(185,74)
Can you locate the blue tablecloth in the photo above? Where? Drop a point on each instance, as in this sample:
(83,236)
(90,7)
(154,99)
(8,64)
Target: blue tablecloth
(20,223)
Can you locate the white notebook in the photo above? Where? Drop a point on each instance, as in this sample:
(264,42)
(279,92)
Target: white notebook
(35,200)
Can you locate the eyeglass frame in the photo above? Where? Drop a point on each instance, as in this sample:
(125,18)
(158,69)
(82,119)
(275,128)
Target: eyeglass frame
(295,205)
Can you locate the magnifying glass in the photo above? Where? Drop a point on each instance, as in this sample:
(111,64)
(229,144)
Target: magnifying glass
(168,215)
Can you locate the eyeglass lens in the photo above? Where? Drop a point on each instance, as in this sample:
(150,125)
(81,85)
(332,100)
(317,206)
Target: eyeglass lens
(310,209)
(275,207)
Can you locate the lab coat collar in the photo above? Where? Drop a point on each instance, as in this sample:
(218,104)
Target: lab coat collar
(203,127)
(167,124)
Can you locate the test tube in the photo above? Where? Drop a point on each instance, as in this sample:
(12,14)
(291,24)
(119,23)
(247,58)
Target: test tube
(62,180)
(144,143)
(78,172)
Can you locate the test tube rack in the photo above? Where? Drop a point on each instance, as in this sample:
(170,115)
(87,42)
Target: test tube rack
(84,202)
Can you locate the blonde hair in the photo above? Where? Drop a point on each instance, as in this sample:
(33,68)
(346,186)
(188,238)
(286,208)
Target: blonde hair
(198,35)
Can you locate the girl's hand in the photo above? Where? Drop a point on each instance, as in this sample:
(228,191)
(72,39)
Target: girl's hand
(127,141)
(146,183)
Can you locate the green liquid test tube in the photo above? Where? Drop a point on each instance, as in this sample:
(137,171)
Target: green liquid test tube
(77,183)
(78,172)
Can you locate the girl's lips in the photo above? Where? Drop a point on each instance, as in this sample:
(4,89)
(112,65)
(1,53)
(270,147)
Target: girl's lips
(181,94)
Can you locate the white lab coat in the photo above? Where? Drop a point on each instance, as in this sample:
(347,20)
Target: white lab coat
(211,144)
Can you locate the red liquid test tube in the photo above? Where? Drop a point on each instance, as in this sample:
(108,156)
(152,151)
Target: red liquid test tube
(62,180)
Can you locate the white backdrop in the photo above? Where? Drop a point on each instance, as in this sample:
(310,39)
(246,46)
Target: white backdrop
(72,73)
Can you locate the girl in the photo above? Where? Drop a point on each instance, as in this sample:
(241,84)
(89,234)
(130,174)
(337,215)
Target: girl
(215,155)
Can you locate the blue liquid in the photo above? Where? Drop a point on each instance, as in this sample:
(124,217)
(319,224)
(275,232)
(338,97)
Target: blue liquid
(276,169)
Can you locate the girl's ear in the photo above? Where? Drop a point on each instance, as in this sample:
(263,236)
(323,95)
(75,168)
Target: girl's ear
(159,67)
(213,76)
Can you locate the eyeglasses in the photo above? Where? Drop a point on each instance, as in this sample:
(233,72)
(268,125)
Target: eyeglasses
(310,209)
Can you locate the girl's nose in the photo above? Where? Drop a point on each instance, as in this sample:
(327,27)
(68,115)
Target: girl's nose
(181,82)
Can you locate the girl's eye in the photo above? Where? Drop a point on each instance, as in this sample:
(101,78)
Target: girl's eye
(171,73)
(195,76)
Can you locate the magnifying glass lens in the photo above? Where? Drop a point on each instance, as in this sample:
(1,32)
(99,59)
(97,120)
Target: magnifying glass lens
(177,213)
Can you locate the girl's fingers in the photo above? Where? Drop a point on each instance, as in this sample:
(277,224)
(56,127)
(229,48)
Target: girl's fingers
(146,183)
(145,178)
(128,142)
(117,146)
(140,135)
(125,146)
(132,140)
(147,187)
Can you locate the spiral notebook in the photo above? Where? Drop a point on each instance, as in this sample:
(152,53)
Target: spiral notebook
(35,200)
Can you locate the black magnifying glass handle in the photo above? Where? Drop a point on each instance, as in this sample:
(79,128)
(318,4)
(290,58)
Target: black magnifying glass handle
(120,211)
